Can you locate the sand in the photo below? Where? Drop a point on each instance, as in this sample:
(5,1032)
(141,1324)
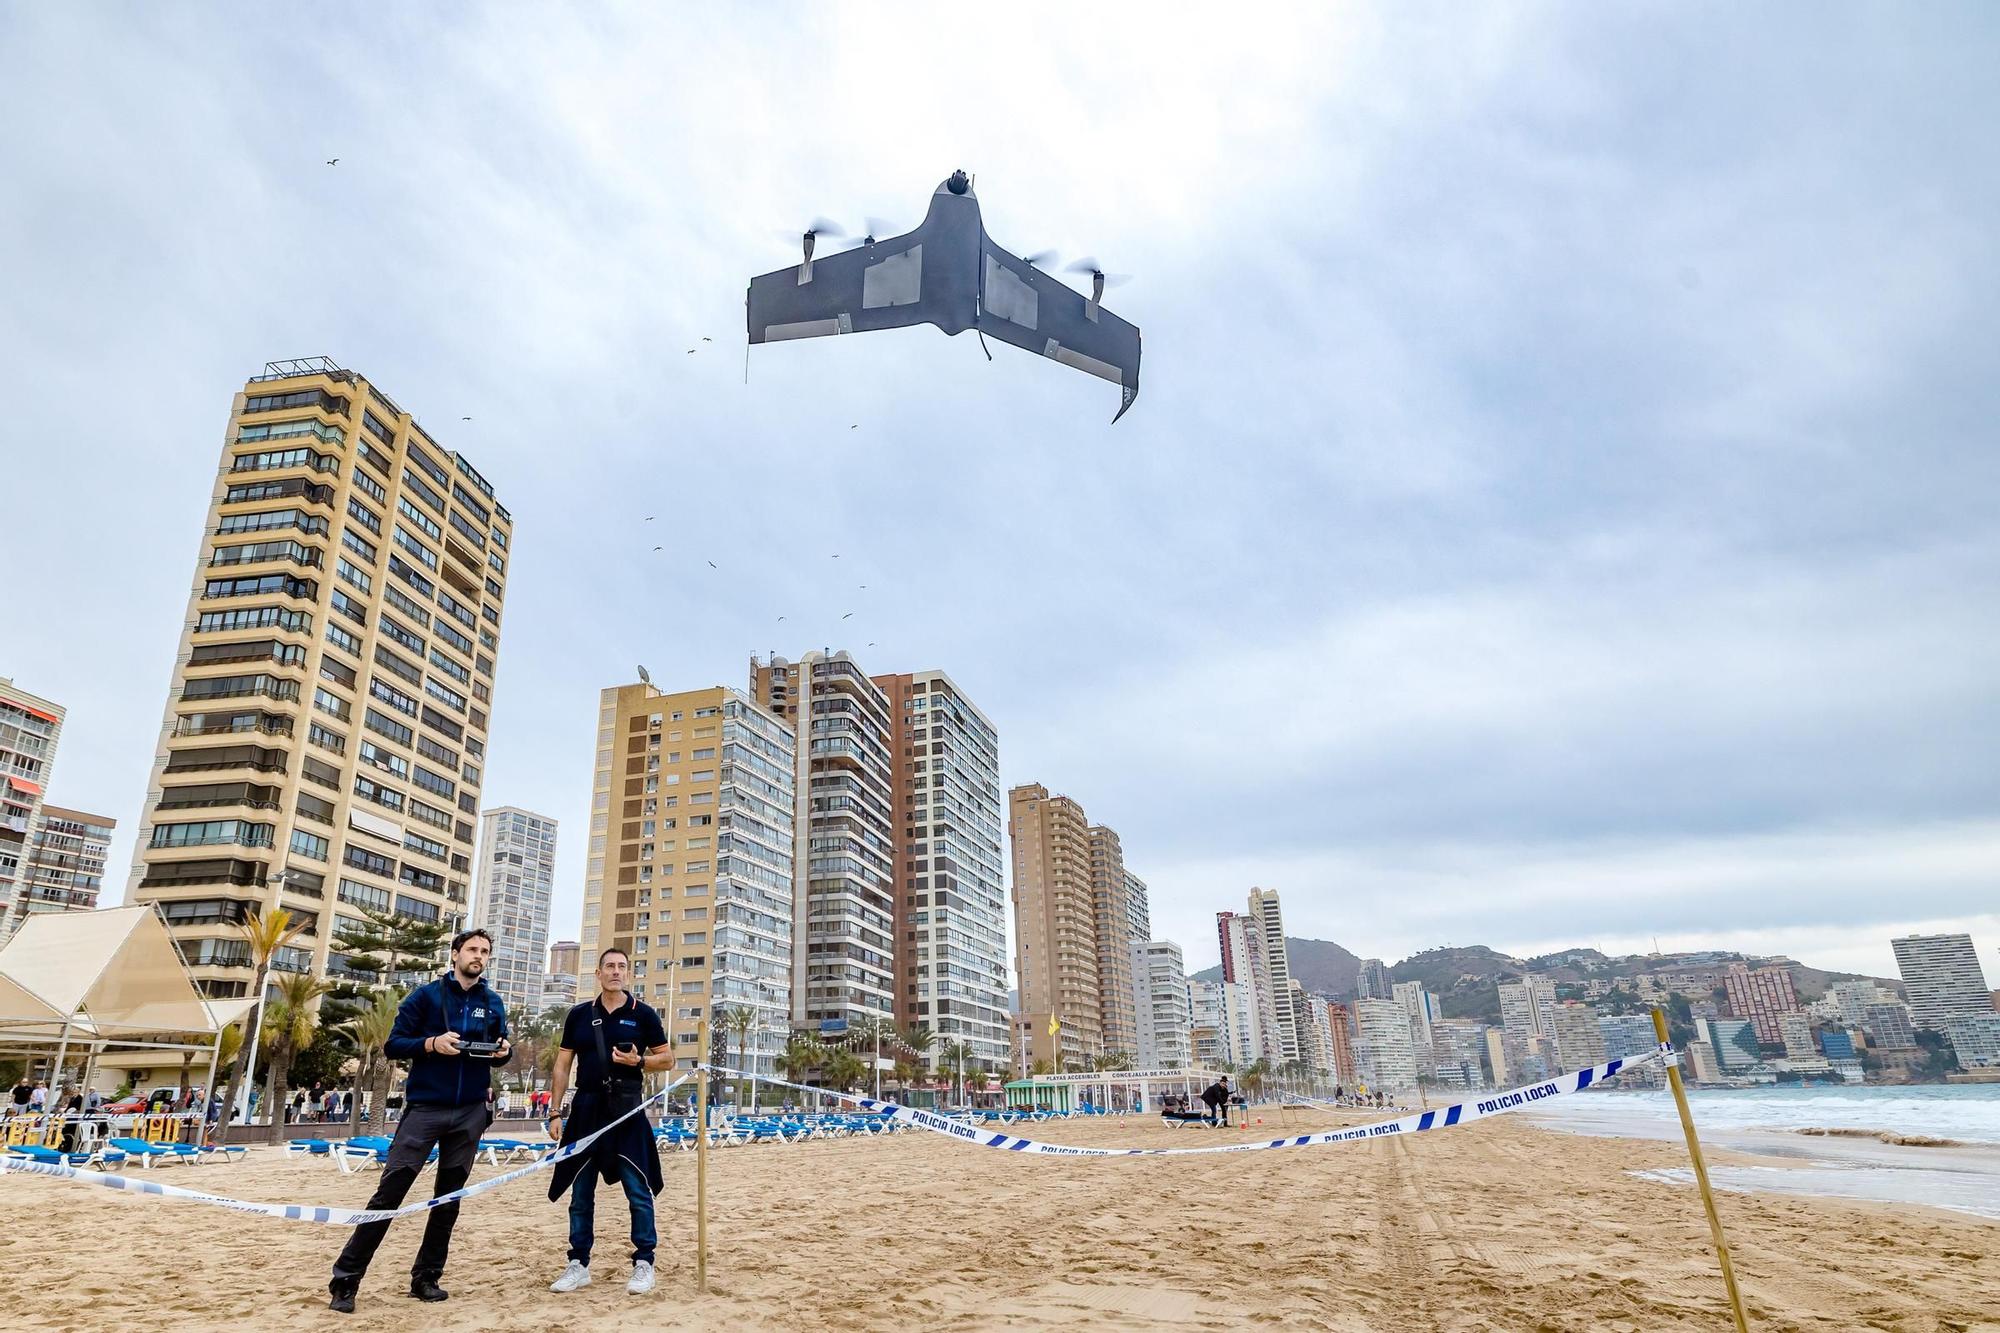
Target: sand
(1493,1226)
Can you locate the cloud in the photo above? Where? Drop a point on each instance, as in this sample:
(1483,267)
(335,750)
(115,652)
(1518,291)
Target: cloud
(1565,437)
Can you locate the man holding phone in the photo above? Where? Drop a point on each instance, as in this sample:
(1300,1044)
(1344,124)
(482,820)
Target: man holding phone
(611,1042)
(453,1031)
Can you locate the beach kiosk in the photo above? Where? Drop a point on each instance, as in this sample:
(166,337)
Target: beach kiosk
(1035,1094)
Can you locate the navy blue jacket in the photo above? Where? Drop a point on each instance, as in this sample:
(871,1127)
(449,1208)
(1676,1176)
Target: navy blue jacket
(431,1010)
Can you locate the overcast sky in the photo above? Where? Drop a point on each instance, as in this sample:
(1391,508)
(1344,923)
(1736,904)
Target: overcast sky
(1560,507)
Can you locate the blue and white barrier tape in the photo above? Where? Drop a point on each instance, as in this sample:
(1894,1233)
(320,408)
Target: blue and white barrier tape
(1462,1113)
(301,1212)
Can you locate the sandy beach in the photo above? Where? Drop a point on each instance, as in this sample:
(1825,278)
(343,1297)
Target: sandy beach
(1502,1225)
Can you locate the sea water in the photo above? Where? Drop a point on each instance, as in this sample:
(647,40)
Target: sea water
(1768,1121)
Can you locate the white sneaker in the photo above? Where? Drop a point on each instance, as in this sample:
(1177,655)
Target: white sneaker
(642,1278)
(575,1276)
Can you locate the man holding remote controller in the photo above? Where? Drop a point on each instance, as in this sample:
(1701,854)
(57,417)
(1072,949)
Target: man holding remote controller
(611,1042)
(453,1031)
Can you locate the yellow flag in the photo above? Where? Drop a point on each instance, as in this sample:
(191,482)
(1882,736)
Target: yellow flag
(1055,1025)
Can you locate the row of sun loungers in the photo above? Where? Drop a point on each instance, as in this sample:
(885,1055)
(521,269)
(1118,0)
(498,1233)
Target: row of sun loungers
(114,1152)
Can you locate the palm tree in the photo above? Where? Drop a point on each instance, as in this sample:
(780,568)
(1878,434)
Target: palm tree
(919,1040)
(801,1056)
(1040,1067)
(369,1031)
(266,932)
(955,1055)
(739,1019)
(843,1069)
(972,1079)
(288,1030)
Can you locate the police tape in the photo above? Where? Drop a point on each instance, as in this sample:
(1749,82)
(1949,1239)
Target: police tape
(1462,1113)
(296,1212)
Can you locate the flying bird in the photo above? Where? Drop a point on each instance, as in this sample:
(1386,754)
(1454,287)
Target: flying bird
(649,518)
(659,548)
(705,338)
(848,616)
(333,161)
(690,351)
(781,620)
(465,418)
(713,565)
(947,273)
(836,555)
(855,426)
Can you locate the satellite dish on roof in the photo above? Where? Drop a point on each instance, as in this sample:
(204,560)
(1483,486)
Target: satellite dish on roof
(644,677)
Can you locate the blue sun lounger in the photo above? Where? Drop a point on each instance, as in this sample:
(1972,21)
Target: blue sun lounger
(148,1152)
(99,1157)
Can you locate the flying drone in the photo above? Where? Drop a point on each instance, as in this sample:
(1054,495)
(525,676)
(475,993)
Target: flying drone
(949,273)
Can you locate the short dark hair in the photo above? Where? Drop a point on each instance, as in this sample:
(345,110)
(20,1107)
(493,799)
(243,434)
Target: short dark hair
(608,952)
(458,940)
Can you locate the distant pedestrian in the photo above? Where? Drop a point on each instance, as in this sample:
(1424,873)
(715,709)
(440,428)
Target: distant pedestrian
(38,1100)
(24,1095)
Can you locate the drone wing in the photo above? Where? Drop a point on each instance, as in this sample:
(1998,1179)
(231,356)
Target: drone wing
(879,286)
(1024,306)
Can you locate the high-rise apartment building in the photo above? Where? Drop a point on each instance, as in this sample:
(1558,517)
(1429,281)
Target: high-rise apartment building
(1888,1025)
(1138,906)
(1277,966)
(951,941)
(1764,996)
(1579,1041)
(1460,1053)
(1371,980)
(1527,1009)
(1422,1008)
(1117,1001)
(1243,962)
(324,738)
(1166,1019)
(1212,1012)
(30,728)
(844,835)
(511,894)
(64,870)
(689,867)
(1055,926)
(1340,1031)
(1943,978)
(562,982)
(1384,1053)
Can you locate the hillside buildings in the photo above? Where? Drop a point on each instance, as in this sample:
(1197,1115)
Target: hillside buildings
(1764,996)
(323,743)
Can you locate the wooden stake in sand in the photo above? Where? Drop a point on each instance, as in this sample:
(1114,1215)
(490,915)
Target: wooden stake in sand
(701,1165)
(1701,1179)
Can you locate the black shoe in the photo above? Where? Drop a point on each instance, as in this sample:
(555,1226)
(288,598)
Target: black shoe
(343,1296)
(427,1289)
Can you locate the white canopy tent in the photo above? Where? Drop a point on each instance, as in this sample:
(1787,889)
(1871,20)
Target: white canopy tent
(106,978)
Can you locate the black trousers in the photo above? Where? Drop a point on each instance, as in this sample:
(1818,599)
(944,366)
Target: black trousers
(454,1131)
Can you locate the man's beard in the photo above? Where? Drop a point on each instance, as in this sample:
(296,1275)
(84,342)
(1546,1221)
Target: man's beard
(473,968)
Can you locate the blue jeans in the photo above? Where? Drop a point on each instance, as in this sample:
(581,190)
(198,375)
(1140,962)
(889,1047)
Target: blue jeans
(582,1212)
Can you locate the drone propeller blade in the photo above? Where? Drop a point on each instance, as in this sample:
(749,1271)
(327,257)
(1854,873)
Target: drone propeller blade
(881,228)
(1096,270)
(822,227)
(1040,259)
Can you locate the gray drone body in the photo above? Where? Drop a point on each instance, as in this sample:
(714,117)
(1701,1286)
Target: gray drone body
(947,272)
